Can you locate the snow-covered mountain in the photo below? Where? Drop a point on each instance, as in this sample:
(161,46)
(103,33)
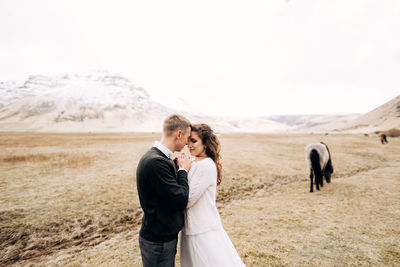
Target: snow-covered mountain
(100,102)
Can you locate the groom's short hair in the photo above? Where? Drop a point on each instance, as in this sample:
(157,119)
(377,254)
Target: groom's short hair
(174,123)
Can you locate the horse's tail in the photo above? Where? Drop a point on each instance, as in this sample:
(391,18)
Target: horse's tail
(314,157)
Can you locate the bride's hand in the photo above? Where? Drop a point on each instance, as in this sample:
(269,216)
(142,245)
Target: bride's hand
(184,161)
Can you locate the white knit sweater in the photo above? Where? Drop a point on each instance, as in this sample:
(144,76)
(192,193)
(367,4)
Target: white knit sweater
(201,214)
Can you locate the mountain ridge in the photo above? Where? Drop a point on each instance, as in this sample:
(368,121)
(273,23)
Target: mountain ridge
(100,101)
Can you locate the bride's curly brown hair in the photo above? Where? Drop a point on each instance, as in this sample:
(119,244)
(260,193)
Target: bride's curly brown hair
(211,144)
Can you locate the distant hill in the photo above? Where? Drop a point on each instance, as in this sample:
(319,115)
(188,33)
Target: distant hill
(383,118)
(314,123)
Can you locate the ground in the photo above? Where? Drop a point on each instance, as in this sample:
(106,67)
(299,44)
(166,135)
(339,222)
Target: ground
(70,199)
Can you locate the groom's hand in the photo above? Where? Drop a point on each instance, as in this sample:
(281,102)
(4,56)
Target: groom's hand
(184,161)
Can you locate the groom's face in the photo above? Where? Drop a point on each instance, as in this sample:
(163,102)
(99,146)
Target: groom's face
(182,139)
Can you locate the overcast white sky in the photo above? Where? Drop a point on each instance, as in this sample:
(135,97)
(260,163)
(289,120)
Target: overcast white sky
(226,57)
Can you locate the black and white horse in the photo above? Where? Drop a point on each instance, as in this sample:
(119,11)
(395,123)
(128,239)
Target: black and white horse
(319,162)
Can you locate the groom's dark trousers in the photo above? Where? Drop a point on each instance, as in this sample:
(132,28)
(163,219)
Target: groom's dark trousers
(163,194)
(158,254)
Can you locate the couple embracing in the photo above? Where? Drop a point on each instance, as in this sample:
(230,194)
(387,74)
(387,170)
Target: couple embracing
(180,195)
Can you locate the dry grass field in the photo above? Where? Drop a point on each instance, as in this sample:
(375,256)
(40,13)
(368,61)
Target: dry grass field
(70,200)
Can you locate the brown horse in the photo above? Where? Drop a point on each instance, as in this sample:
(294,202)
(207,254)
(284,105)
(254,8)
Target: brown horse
(383,139)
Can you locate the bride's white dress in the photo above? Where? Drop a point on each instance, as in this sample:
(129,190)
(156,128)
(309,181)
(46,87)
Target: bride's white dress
(204,242)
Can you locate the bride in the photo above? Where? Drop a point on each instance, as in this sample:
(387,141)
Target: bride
(204,242)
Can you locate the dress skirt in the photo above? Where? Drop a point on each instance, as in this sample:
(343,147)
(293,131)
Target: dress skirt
(213,248)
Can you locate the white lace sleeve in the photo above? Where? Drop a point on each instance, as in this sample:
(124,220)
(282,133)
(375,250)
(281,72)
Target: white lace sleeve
(204,175)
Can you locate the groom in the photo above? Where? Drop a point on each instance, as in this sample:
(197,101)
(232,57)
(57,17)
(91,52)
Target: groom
(163,193)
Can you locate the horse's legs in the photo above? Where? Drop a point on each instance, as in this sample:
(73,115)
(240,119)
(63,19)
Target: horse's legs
(311,179)
(322,181)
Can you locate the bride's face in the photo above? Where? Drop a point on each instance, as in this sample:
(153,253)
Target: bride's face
(196,146)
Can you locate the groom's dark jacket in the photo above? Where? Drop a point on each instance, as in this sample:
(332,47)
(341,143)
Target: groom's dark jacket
(163,194)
